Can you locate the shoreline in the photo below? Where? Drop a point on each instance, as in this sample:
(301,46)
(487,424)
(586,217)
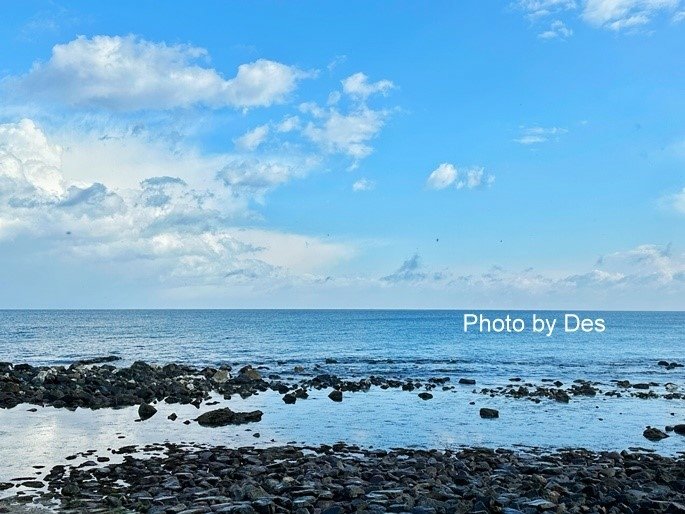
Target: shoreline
(332,479)
(97,383)
(226,405)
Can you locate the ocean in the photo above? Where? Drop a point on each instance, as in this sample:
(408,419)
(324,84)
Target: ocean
(394,344)
(416,343)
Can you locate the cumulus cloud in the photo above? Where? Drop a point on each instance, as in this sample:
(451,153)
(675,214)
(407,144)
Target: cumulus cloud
(185,231)
(557,30)
(447,175)
(358,86)
(130,73)
(624,14)
(363,184)
(252,138)
(537,135)
(29,160)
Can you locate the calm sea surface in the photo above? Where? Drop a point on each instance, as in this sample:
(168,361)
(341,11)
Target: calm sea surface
(396,343)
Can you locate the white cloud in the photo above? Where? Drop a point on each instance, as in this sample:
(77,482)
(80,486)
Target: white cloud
(536,135)
(622,14)
(125,158)
(186,232)
(614,15)
(363,184)
(645,269)
(129,73)
(540,8)
(254,177)
(557,30)
(679,17)
(334,97)
(349,133)
(252,139)
(442,177)
(288,124)
(358,86)
(29,160)
(475,177)
(337,61)
(447,175)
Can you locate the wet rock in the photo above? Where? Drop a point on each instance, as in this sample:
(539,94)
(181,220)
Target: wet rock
(289,399)
(225,416)
(341,478)
(221,376)
(560,396)
(249,373)
(33,484)
(679,429)
(146,411)
(336,395)
(425,396)
(172,416)
(487,413)
(654,434)
(467,381)
(97,360)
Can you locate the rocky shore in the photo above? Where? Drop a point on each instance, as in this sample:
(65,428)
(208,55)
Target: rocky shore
(188,479)
(192,479)
(96,383)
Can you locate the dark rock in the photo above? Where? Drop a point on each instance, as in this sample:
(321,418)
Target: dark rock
(654,434)
(679,429)
(425,396)
(146,411)
(289,399)
(489,413)
(467,381)
(225,416)
(33,484)
(98,360)
(172,416)
(336,395)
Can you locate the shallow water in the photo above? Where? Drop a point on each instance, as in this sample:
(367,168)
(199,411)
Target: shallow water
(381,419)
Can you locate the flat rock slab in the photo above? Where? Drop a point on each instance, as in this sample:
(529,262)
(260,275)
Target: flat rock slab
(225,416)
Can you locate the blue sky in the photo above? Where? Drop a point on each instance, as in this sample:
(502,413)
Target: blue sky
(523,154)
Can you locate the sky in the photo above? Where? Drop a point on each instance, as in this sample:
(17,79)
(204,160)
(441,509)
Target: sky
(524,154)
